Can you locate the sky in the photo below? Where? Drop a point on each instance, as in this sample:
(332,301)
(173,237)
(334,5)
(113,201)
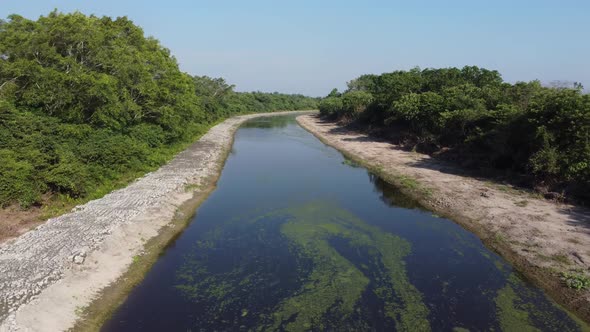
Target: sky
(311,47)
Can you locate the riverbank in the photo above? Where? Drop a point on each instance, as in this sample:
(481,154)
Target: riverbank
(540,238)
(49,275)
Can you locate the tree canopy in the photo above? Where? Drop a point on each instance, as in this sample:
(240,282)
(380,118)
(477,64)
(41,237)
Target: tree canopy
(87,103)
(525,128)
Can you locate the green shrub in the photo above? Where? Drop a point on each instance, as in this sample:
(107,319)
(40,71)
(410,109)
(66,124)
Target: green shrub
(330,106)
(576,280)
(17,180)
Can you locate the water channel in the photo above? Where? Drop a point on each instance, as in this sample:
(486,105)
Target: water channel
(296,237)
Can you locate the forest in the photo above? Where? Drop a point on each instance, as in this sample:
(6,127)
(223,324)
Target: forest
(536,136)
(89,103)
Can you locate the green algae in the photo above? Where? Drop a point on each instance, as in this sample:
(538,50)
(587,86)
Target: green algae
(332,284)
(460,329)
(518,309)
(329,285)
(335,280)
(510,317)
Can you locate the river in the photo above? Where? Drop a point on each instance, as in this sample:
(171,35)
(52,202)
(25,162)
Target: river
(296,237)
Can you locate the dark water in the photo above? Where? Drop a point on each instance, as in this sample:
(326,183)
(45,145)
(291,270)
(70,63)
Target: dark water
(297,238)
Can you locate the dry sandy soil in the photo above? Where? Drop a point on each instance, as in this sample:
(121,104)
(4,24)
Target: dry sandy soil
(14,221)
(48,274)
(539,237)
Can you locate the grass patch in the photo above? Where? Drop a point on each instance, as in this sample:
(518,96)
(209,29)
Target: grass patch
(561,258)
(556,258)
(351,163)
(57,206)
(410,184)
(513,190)
(522,203)
(191,187)
(499,238)
(575,280)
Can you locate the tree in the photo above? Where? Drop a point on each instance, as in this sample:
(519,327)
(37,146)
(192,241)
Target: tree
(334,93)
(330,106)
(355,102)
(540,132)
(87,103)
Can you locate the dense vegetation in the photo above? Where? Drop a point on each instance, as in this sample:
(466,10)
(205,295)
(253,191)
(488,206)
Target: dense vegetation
(473,116)
(88,103)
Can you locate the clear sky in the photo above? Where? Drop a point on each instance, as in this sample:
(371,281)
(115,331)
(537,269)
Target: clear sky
(311,47)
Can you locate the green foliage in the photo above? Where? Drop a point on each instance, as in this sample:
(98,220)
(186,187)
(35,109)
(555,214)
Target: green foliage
(330,106)
(18,177)
(355,102)
(220,101)
(88,101)
(334,93)
(522,128)
(576,280)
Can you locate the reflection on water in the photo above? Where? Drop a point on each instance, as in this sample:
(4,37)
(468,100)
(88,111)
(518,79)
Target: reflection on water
(275,122)
(297,238)
(391,195)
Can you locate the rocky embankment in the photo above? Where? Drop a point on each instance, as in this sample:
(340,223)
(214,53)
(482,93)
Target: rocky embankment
(48,274)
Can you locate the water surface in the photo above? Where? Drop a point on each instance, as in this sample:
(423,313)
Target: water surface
(296,238)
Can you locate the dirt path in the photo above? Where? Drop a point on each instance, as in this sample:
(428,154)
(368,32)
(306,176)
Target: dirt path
(540,238)
(48,274)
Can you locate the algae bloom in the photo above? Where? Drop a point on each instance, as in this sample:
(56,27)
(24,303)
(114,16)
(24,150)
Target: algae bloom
(348,274)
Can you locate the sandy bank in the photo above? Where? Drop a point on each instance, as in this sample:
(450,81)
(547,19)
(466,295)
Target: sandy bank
(540,238)
(49,274)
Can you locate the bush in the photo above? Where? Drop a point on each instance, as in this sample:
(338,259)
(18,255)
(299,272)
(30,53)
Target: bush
(331,106)
(355,102)
(17,180)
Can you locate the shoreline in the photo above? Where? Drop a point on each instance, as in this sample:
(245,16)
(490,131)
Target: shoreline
(74,268)
(539,238)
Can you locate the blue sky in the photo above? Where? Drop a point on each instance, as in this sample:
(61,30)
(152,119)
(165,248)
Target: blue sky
(311,47)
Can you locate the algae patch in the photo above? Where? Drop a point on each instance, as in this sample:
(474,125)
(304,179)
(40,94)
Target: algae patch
(509,315)
(291,273)
(336,281)
(520,308)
